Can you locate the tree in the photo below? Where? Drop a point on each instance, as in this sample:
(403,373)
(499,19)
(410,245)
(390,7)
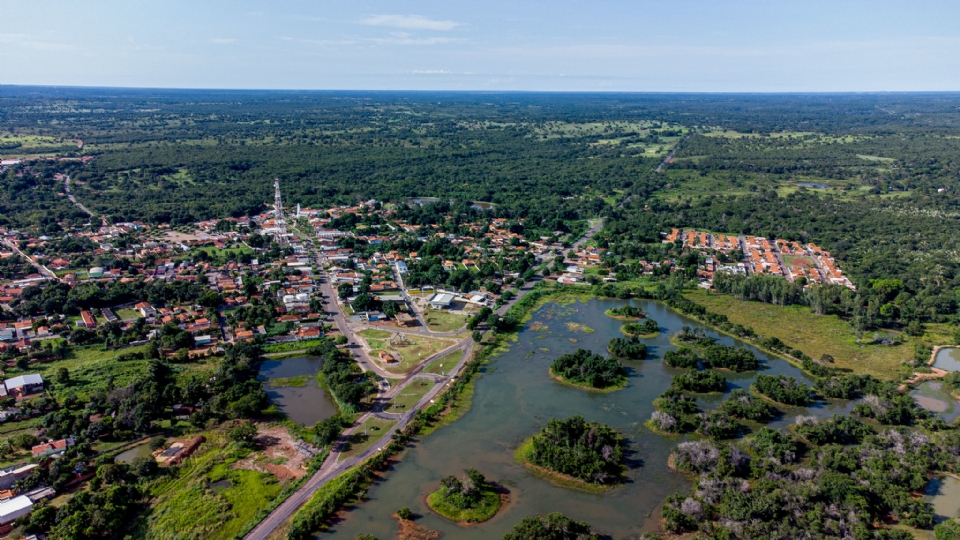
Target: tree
(404,513)
(243,433)
(143,467)
(363,302)
(344,290)
(553,526)
(63,376)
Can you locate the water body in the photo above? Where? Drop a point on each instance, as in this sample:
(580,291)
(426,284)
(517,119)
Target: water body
(944,494)
(812,185)
(932,396)
(128,455)
(947,359)
(305,405)
(515,398)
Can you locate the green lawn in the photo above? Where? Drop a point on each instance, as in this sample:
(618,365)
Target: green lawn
(444,363)
(443,321)
(409,395)
(365,435)
(815,335)
(125,314)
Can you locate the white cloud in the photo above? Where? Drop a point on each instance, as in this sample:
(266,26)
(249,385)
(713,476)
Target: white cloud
(414,41)
(410,22)
(222,41)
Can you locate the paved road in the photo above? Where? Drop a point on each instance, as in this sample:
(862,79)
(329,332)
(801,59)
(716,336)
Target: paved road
(528,286)
(66,187)
(332,466)
(43,270)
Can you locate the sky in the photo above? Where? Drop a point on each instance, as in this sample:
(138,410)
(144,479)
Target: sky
(505,45)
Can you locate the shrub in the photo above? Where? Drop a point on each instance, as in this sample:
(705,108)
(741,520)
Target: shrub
(553,526)
(589,451)
(589,369)
(683,358)
(781,389)
(835,430)
(733,358)
(741,404)
(627,348)
(717,425)
(772,444)
(700,381)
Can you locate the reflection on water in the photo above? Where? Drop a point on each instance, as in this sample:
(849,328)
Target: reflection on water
(948,359)
(128,455)
(944,493)
(305,405)
(515,398)
(933,397)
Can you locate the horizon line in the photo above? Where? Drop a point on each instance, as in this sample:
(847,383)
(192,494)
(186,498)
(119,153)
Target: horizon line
(486,91)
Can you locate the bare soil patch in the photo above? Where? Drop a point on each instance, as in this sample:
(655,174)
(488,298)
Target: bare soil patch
(275,454)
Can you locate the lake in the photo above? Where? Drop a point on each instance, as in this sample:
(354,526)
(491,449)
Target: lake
(515,398)
(305,405)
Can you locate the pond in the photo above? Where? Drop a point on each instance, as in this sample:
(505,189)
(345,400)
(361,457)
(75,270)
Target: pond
(943,493)
(128,455)
(948,358)
(305,405)
(515,397)
(933,397)
(812,185)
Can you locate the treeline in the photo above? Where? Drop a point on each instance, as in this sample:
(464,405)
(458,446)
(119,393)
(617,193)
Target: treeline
(348,384)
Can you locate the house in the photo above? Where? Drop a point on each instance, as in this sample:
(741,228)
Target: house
(10,475)
(146,310)
(52,447)
(441,301)
(24,385)
(87,320)
(14,508)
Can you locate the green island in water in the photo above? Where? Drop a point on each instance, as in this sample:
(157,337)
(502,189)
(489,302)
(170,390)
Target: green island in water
(575,453)
(468,500)
(589,371)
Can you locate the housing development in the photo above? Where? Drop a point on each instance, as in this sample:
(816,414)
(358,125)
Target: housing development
(756,255)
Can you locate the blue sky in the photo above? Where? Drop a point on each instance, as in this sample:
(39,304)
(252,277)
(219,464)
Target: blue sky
(592,45)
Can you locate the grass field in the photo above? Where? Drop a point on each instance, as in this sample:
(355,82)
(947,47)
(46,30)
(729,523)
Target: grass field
(409,354)
(410,395)
(365,435)
(797,261)
(184,505)
(815,335)
(443,321)
(444,363)
(127,313)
